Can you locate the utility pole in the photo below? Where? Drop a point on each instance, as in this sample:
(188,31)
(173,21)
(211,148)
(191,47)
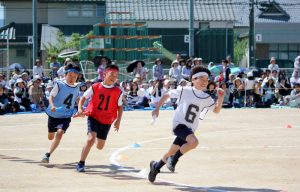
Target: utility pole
(251,34)
(34,30)
(191,28)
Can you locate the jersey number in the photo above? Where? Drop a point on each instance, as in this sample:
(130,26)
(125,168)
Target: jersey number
(103,101)
(68,101)
(191,113)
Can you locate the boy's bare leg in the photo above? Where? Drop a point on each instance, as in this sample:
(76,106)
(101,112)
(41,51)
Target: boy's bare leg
(87,147)
(100,144)
(57,140)
(173,149)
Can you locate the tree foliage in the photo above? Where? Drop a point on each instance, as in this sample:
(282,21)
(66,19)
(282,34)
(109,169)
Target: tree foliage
(240,47)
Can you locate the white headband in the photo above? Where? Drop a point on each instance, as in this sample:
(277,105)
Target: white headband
(199,74)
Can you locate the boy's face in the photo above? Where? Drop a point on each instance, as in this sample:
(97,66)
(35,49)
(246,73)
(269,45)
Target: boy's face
(200,83)
(111,77)
(71,77)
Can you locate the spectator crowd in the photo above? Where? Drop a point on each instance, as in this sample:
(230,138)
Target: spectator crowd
(25,91)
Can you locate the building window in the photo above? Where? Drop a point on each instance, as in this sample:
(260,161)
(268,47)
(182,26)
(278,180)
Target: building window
(73,10)
(20,53)
(100,11)
(284,51)
(87,10)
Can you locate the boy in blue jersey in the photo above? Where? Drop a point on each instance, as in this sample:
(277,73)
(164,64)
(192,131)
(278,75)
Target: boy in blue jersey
(61,107)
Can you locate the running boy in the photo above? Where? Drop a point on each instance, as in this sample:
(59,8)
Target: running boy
(193,102)
(105,107)
(61,107)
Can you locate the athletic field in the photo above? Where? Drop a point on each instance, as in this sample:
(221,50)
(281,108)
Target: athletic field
(240,150)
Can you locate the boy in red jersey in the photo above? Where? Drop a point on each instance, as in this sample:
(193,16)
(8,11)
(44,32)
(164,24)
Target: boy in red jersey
(104,108)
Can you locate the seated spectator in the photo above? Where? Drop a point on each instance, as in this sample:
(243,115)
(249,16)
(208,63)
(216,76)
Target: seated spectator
(258,94)
(269,92)
(21,96)
(156,93)
(4,103)
(174,72)
(36,95)
(294,99)
(294,78)
(2,80)
(283,89)
(212,90)
(133,99)
(227,103)
(186,70)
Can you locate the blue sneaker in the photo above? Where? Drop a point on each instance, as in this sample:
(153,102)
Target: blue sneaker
(45,158)
(80,168)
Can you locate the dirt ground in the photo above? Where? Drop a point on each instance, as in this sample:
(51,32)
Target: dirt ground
(240,150)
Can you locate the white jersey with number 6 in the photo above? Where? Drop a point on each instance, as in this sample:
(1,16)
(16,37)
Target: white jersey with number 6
(192,105)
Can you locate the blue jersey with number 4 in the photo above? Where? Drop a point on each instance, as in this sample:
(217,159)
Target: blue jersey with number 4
(64,101)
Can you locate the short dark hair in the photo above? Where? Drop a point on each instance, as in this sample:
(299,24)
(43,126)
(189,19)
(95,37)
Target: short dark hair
(112,67)
(71,65)
(198,69)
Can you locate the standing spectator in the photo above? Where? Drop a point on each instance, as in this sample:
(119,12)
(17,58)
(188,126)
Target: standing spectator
(174,72)
(102,62)
(186,70)
(295,78)
(230,63)
(157,70)
(20,95)
(181,65)
(54,66)
(140,69)
(249,89)
(61,70)
(238,93)
(156,93)
(258,93)
(273,66)
(25,77)
(226,70)
(38,69)
(297,64)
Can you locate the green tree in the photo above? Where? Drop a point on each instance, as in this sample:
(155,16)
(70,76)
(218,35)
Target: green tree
(240,47)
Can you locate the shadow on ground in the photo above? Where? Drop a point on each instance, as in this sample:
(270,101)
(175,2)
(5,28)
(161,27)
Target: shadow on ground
(127,173)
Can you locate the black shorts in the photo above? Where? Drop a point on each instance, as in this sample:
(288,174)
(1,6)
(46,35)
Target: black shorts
(58,123)
(182,131)
(179,141)
(95,126)
(249,92)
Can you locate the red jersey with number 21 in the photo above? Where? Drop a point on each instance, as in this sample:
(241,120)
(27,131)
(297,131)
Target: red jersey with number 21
(103,105)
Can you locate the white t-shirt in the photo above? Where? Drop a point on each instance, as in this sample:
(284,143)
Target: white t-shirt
(249,84)
(192,106)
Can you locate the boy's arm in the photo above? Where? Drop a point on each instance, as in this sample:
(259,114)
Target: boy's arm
(118,121)
(80,109)
(52,107)
(220,100)
(161,102)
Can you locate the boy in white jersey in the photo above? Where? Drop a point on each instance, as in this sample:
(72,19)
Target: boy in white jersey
(193,102)
(61,107)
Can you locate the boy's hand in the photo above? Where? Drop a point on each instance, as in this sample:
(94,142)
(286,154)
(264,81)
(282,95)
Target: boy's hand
(79,113)
(155,112)
(53,109)
(220,92)
(117,125)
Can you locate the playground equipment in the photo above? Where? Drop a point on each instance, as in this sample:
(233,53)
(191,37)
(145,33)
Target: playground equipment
(119,39)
